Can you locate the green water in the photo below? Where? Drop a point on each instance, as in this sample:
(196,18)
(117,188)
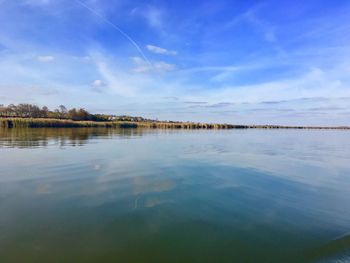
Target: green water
(104,195)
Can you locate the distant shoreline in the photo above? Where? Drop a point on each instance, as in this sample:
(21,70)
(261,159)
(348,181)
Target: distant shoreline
(64,123)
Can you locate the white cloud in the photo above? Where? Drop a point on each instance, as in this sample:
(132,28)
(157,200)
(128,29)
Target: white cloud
(97,83)
(83,59)
(162,66)
(116,79)
(115,83)
(314,83)
(119,80)
(159,50)
(141,66)
(45,58)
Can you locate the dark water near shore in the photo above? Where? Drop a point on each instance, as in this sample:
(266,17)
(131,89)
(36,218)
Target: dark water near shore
(109,195)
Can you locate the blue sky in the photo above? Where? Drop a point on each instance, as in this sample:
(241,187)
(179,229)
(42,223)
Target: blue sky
(218,61)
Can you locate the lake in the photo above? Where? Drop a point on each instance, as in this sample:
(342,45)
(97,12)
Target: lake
(133,195)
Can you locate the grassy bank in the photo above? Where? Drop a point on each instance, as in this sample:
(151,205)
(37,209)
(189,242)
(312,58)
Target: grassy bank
(58,123)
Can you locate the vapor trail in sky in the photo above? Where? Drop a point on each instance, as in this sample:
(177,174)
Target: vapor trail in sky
(116,28)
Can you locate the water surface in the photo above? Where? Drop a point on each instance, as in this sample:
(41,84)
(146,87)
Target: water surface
(109,195)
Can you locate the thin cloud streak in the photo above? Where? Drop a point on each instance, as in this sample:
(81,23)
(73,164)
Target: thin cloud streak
(45,58)
(158,66)
(159,50)
(117,28)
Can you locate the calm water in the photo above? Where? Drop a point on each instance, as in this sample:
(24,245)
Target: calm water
(99,195)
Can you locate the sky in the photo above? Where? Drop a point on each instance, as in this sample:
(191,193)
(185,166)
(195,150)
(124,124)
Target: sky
(227,61)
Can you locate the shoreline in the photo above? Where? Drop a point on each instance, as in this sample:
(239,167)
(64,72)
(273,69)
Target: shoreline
(65,123)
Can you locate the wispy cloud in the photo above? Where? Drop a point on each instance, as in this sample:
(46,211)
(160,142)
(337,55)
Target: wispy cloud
(117,28)
(213,105)
(162,66)
(97,85)
(84,59)
(264,27)
(174,98)
(122,81)
(158,66)
(273,102)
(221,105)
(45,58)
(212,68)
(116,82)
(159,50)
(196,102)
(329,108)
(251,17)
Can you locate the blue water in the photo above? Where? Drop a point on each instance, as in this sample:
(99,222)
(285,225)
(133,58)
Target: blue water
(109,195)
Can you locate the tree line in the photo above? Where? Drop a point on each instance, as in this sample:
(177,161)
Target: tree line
(25,110)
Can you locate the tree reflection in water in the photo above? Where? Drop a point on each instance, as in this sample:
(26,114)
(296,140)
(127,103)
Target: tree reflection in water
(42,137)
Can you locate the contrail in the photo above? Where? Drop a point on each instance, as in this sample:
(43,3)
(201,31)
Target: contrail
(117,28)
